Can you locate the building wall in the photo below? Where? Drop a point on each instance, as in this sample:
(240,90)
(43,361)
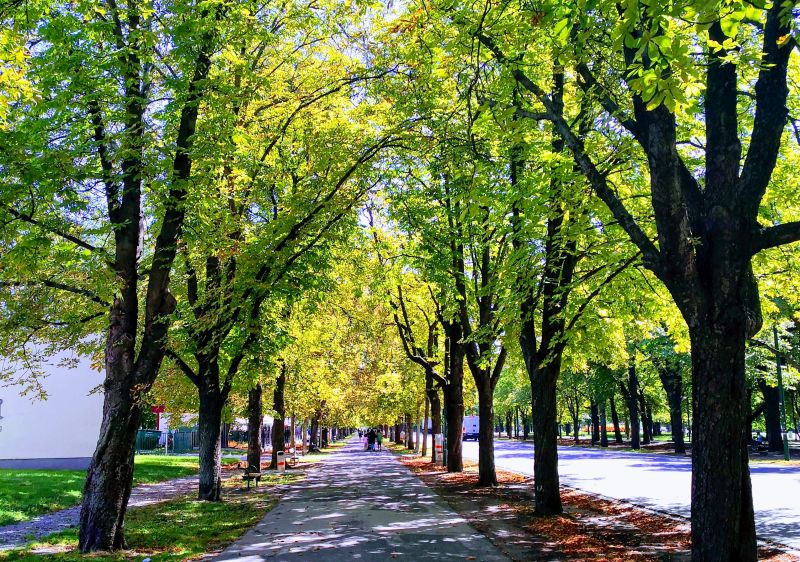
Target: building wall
(65,425)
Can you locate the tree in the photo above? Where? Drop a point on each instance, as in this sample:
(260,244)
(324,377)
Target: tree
(113,247)
(707,231)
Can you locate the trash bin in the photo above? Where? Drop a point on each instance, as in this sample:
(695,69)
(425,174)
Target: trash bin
(281,462)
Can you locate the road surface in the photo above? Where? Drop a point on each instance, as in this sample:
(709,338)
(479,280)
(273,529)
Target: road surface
(661,482)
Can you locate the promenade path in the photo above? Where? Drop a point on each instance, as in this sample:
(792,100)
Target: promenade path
(364,506)
(661,482)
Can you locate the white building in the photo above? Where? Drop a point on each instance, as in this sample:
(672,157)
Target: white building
(60,431)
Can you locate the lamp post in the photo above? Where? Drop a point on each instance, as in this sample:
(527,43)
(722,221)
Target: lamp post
(784,436)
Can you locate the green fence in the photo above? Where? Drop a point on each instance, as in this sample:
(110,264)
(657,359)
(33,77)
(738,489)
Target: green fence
(147,441)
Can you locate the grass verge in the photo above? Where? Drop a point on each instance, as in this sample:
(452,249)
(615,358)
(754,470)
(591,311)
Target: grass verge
(178,529)
(24,494)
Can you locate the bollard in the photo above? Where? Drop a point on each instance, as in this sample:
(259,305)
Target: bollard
(281,462)
(439,446)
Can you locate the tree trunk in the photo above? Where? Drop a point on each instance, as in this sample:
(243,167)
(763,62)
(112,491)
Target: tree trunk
(508,425)
(672,382)
(487,475)
(723,525)
(436,418)
(772,415)
(633,404)
(615,421)
(526,426)
(425,426)
(397,434)
(595,421)
(603,424)
(279,411)
(409,444)
(324,437)
(313,440)
(209,427)
(255,419)
(645,421)
(110,475)
(547,493)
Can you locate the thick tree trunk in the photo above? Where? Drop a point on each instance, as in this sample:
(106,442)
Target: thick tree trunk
(615,421)
(209,427)
(255,419)
(454,411)
(595,421)
(110,475)
(398,439)
(324,437)
(487,475)
(723,526)
(772,415)
(547,493)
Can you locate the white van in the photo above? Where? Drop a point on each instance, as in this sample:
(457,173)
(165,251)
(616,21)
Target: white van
(470,427)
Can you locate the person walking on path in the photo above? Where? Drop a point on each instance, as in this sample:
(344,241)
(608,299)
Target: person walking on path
(371,438)
(332,516)
(379,439)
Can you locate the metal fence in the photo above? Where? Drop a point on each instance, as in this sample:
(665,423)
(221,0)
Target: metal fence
(150,441)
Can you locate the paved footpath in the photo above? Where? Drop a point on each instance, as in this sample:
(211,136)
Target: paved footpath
(20,534)
(361,505)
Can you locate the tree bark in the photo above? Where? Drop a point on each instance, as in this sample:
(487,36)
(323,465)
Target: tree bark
(279,410)
(255,420)
(632,395)
(615,421)
(547,492)
(209,427)
(645,419)
(603,424)
(595,414)
(723,524)
(425,426)
(436,418)
(672,382)
(772,415)
(110,475)
(487,474)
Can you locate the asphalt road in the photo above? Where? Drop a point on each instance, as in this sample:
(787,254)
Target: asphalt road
(661,482)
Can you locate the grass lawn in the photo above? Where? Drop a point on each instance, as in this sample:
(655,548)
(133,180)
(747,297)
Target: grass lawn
(194,527)
(25,494)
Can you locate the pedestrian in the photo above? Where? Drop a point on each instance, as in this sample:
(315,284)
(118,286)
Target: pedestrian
(371,438)
(379,439)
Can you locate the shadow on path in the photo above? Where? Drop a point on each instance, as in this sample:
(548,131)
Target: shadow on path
(361,505)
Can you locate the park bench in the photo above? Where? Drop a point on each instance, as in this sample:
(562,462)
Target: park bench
(251,474)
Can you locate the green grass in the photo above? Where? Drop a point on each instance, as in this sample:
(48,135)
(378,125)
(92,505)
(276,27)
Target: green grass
(193,528)
(25,494)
